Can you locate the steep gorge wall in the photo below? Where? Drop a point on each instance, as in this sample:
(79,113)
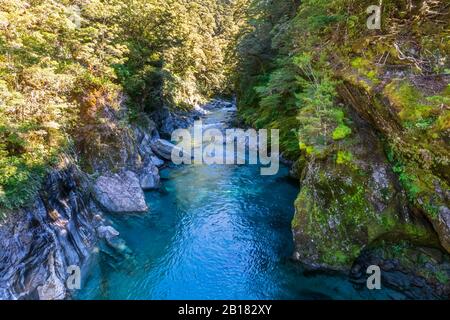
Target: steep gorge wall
(66,222)
(365,114)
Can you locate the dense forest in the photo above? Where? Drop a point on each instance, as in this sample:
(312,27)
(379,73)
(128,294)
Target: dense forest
(63,60)
(364,115)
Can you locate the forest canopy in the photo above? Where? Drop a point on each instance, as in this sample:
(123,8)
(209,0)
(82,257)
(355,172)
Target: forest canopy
(60,60)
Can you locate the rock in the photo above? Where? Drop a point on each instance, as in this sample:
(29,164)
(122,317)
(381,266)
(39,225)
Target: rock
(163,148)
(107,232)
(168,122)
(107,145)
(120,193)
(149,177)
(145,149)
(146,152)
(421,161)
(227,104)
(156,161)
(297,168)
(442,226)
(53,288)
(31,238)
(408,268)
(340,212)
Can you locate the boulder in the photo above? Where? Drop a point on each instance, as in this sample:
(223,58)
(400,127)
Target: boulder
(145,149)
(107,232)
(149,177)
(346,205)
(156,161)
(163,148)
(120,193)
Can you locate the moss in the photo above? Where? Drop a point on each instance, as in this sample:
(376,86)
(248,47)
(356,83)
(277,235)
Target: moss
(333,215)
(427,262)
(310,150)
(341,132)
(335,211)
(302,145)
(442,277)
(410,102)
(365,68)
(344,157)
(337,257)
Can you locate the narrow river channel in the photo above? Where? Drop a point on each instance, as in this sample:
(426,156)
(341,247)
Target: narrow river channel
(213,232)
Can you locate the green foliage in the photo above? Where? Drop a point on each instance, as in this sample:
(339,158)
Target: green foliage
(344,157)
(341,132)
(294,56)
(44,59)
(281,74)
(365,67)
(413,107)
(442,277)
(418,184)
(62,62)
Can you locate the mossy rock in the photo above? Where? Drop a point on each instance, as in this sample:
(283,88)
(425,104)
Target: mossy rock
(344,206)
(419,272)
(417,149)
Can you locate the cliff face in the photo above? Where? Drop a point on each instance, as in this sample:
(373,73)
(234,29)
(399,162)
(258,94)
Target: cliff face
(383,199)
(38,243)
(386,182)
(419,156)
(365,114)
(350,200)
(66,222)
(110,164)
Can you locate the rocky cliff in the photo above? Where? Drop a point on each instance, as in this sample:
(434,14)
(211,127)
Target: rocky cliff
(110,165)
(379,191)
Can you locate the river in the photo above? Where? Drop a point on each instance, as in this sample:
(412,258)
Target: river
(213,232)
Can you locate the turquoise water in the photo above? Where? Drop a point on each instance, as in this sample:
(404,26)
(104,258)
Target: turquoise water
(212,232)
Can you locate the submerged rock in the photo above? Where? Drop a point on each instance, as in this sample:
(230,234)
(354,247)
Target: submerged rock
(107,232)
(120,193)
(149,177)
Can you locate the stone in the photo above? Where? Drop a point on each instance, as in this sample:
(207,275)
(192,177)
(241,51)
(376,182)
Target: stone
(107,232)
(53,288)
(149,177)
(120,193)
(157,161)
(163,148)
(442,226)
(145,149)
(339,212)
